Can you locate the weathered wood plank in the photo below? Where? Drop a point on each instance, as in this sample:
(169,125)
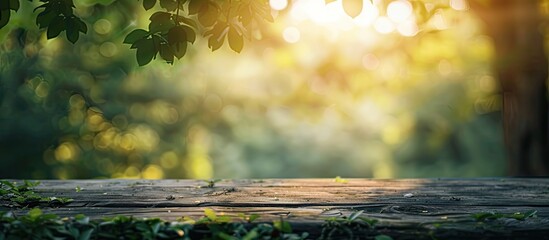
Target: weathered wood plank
(417,208)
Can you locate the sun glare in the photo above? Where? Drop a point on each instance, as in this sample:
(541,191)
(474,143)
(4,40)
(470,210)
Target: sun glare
(460,5)
(278,4)
(367,16)
(397,18)
(399,11)
(408,28)
(384,26)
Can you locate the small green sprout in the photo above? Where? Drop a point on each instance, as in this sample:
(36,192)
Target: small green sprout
(211,183)
(338,179)
(480,217)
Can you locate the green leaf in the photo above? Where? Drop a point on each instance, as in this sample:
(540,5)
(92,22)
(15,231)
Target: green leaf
(215,43)
(4,5)
(8,183)
(146,51)
(210,213)
(486,215)
(14,5)
(177,39)
(135,35)
(245,14)
(369,221)
(86,234)
(352,7)
(261,9)
(195,6)
(253,217)
(148,4)
(522,216)
(160,22)
(29,184)
(217,35)
(191,35)
(283,226)
(179,50)
(225,236)
(208,15)
(177,35)
(383,237)
(55,27)
(223,219)
(166,53)
(45,18)
(72,30)
(66,8)
(81,25)
(354,215)
(339,179)
(34,213)
(169,5)
(82,219)
(531,213)
(187,21)
(4,17)
(251,235)
(236,41)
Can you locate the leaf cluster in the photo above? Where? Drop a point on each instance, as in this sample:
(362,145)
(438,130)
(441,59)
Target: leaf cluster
(174,24)
(178,22)
(55,16)
(24,196)
(38,225)
(223,227)
(58,16)
(484,216)
(6,6)
(346,225)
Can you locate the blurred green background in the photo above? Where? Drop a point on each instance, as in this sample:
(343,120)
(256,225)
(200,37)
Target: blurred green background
(316,95)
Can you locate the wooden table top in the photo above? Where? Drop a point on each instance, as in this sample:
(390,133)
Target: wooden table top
(405,208)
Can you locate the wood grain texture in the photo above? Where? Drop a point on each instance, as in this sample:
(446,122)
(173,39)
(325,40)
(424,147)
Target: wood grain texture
(406,209)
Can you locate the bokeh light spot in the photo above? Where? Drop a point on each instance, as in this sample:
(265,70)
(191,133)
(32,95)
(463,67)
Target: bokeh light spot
(367,16)
(399,11)
(213,103)
(370,61)
(408,28)
(66,152)
(152,171)
(291,35)
(77,101)
(132,172)
(444,67)
(168,160)
(108,49)
(278,4)
(42,90)
(383,25)
(459,5)
(102,26)
(127,142)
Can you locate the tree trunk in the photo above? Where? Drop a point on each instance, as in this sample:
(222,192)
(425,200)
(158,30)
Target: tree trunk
(522,69)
